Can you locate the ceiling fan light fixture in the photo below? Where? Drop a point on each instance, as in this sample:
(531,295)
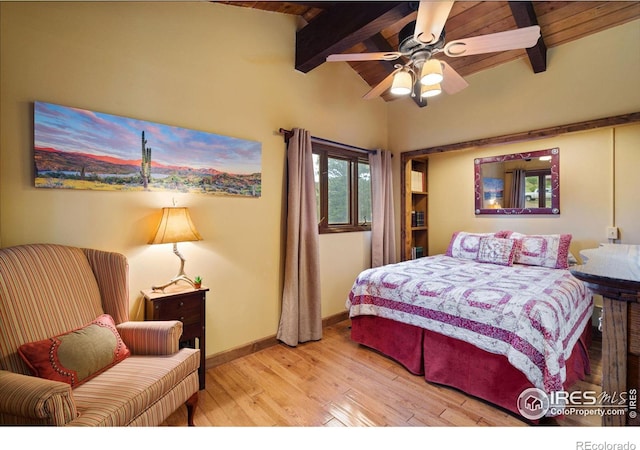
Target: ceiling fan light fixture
(402,83)
(431,72)
(430,90)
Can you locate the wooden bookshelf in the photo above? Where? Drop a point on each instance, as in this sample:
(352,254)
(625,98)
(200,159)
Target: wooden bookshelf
(415,207)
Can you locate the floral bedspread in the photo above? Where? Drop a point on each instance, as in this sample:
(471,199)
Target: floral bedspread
(532,315)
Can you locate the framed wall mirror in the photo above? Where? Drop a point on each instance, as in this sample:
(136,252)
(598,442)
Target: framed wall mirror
(519,183)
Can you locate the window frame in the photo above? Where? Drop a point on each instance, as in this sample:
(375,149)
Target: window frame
(324,152)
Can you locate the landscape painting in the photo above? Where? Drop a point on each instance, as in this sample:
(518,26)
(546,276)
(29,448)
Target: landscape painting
(493,189)
(81,149)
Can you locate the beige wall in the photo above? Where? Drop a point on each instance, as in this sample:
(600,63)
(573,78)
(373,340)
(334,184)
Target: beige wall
(626,168)
(511,98)
(587,198)
(204,66)
(598,169)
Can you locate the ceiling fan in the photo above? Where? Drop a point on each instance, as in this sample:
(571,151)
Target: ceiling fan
(423,38)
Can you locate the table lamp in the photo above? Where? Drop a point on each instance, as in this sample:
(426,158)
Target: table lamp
(175,226)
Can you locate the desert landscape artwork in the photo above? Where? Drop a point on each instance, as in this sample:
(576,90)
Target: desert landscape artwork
(81,149)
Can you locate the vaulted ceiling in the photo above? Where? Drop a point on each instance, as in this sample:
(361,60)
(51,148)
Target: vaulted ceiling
(329,27)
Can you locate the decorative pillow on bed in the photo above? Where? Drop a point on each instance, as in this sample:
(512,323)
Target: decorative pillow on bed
(465,245)
(546,250)
(497,250)
(503,233)
(78,355)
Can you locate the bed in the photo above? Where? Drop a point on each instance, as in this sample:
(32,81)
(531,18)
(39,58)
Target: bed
(496,314)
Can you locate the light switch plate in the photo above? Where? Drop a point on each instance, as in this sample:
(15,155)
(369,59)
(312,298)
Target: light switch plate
(612,232)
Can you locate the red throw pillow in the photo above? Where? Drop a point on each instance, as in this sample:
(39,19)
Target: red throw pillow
(78,355)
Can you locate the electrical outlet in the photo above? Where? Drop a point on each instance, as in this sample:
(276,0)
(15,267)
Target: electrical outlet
(612,232)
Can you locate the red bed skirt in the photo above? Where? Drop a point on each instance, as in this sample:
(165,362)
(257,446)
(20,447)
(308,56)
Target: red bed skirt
(456,363)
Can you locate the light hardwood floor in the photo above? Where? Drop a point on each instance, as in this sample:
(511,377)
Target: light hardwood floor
(337,383)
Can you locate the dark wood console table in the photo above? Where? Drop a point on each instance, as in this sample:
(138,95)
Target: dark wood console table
(613,271)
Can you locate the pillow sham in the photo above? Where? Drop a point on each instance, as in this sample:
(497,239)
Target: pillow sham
(497,250)
(545,250)
(465,245)
(78,355)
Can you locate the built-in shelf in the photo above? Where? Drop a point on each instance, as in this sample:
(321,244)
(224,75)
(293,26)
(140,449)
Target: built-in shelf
(415,201)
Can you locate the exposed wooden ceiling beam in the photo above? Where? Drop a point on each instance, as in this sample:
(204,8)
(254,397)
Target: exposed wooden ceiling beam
(540,133)
(377,43)
(525,16)
(341,27)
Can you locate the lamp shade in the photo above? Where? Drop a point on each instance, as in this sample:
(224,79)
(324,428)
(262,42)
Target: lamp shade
(402,83)
(431,72)
(175,226)
(430,91)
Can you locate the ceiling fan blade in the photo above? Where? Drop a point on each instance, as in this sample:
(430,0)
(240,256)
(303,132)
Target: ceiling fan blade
(430,21)
(381,87)
(505,40)
(452,82)
(376,56)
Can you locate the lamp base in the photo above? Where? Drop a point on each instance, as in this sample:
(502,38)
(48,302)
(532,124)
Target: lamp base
(181,275)
(174,281)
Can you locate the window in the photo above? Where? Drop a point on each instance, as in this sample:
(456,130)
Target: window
(343,189)
(537,181)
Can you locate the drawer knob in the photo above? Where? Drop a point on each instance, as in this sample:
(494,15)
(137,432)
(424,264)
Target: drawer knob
(182,319)
(181,303)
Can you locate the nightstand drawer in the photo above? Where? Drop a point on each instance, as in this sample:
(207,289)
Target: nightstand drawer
(187,310)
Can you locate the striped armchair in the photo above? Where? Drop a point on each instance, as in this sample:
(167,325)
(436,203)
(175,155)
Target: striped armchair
(49,290)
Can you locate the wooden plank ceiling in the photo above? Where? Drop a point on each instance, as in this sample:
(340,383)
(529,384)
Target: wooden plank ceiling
(361,27)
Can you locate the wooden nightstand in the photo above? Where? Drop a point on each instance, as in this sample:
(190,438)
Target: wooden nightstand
(187,306)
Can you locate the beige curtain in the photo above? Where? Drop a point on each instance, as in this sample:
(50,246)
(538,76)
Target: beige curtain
(301,317)
(383,241)
(518,188)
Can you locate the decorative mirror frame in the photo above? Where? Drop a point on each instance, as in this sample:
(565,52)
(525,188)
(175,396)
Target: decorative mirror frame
(555,183)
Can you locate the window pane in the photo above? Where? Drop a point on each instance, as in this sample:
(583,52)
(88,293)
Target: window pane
(339,192)
(364,193)
(531,191)
(316,177)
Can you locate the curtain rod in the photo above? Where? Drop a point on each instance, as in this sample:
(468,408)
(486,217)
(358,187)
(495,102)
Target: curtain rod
(287,134)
